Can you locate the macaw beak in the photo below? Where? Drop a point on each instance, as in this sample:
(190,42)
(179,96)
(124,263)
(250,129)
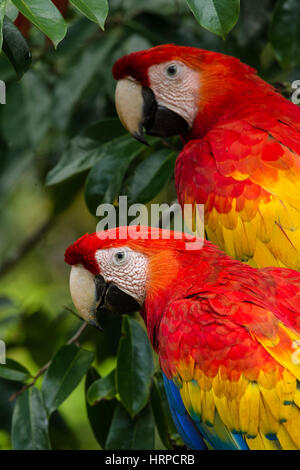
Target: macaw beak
(92,296)
(139,112)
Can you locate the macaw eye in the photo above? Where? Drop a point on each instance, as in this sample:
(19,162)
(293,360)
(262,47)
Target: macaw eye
(172,70)
(120,257)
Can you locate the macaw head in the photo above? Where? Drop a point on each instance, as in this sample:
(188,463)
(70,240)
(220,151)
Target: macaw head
(114,271)
(168,89)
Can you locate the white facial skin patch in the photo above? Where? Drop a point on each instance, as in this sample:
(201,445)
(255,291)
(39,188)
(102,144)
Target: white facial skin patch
(126,268)
(176,86)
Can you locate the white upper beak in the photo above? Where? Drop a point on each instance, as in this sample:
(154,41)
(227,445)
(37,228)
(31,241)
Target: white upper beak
(129,104)
(83,291)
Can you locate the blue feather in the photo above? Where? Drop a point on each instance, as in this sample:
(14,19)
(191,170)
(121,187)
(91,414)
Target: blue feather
(183,422)
(194,433)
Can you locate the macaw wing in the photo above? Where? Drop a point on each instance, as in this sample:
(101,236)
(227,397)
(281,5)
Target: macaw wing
(195,434)
(186,427)
(249,181)
(238,383)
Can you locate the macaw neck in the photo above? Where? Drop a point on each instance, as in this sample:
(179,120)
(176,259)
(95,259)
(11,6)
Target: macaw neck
(229,100)
(198,271)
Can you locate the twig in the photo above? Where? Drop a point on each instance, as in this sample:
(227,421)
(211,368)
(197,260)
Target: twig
(73,339)
(25,247)
(171,146)
(78,333)
(73,312)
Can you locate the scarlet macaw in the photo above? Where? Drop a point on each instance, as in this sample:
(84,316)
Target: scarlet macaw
(241,145)
(227,335)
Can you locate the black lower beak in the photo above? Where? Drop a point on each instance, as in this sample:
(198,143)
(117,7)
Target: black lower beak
(112,299)
(159,120)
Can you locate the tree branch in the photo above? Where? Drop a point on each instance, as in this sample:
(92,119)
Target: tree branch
(25,247)
(42,370)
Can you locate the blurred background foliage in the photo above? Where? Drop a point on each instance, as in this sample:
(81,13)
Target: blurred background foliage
(63,152)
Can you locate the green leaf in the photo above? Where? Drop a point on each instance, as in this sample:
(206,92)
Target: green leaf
(150,176)
(7,389)
(285,32)
(66,370)
(84,150)
(63,194)
(100,415)
(79,75)
(104,388)
(131,434)
(94,10)
(11,11)
(29,422)
(160,407)
(105,178)
(16,48)
(135,366)
(45,16)
(2,13)
(218,16)
(22,116)
(12,370)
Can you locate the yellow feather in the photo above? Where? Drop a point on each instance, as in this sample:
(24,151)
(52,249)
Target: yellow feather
(229,246)
(263,256)
(281,349)
(292,426)
(249,211)
(287,216)
(270,444)
(297,397)
(213,219)
(293,202)
(268,425)
(195,397)
(256,443)
(218,385)
(282,248)
(216,236)
(208,407)
(267,216)
(224,411)
(184,392)
(186,369)
(204,382)
(284,439)
(275,400)
(268,380)
(244,239)
(249,409)
(235,414)
(230,219)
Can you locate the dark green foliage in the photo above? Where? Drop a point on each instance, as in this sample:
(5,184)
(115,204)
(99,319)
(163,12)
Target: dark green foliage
(29,422)
(285,32)
(100,414)
(64,152)
(67,368)
(11,370)
(135,367)
(218,16)
(15,47)
(163,419)
(126,433)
